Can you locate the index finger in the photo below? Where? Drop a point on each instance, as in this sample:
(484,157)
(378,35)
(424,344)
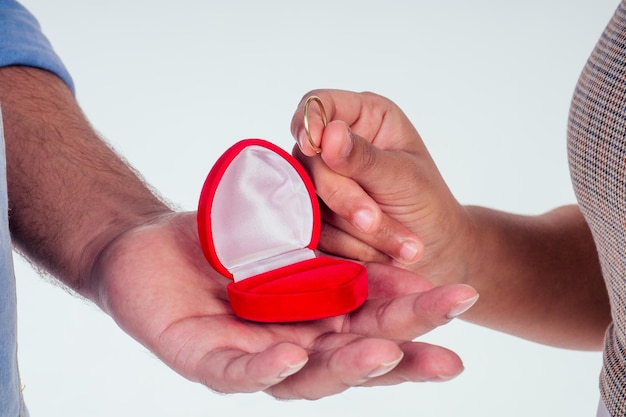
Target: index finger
(349,107)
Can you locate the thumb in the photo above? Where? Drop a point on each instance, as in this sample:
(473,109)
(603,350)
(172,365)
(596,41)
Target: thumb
(352,156)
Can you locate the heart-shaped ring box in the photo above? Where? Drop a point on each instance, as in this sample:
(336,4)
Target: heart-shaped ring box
(259,224)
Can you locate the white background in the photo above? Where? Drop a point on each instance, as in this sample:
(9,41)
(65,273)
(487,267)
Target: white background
(171,84)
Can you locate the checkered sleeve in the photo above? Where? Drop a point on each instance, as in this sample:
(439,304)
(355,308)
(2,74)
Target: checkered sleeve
(597,157)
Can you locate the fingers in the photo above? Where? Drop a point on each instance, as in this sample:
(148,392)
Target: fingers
(232,370)
(351,209)
(364,351)
(344,361)
(371,167)
(314,360)
(335,241)
(422,362)
(413,315)
(386,282)
(364,213)
(348,102)
(341,362)
(382,173)
(336,362)
(351,155)
(366,113)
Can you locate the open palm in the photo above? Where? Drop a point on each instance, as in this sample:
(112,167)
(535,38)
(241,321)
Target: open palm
(154,281)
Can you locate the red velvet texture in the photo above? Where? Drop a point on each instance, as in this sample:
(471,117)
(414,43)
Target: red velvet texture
(308,290)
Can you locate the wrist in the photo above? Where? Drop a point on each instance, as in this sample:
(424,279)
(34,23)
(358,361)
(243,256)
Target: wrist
(87,281)
(70,195)
(449,251)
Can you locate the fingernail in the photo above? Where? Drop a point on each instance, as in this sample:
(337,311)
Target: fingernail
(346,148)
(444,378)
(461,307)
(364,219)
(292,369)
(408,251)
(301,138)
(383,368)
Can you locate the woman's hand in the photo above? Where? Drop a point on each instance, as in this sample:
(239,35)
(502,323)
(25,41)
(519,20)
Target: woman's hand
(383,197)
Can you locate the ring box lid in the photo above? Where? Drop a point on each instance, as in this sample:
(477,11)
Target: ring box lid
(258,210)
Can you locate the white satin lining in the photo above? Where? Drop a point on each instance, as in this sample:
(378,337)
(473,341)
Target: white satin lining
(262,215)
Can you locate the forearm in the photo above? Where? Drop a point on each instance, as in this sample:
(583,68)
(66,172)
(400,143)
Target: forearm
(538,276)
(69,193)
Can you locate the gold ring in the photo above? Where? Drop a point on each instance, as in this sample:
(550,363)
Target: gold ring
(316,148)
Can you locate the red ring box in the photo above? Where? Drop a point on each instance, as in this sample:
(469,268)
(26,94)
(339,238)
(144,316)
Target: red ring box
(259,224)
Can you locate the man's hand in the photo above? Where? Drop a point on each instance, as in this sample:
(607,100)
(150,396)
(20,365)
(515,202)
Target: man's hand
(156,284)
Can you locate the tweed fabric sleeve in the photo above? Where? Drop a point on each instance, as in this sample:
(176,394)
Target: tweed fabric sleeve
(597,158)
(23,43)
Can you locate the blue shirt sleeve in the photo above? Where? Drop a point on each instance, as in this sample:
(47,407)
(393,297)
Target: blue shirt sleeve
(23,43)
